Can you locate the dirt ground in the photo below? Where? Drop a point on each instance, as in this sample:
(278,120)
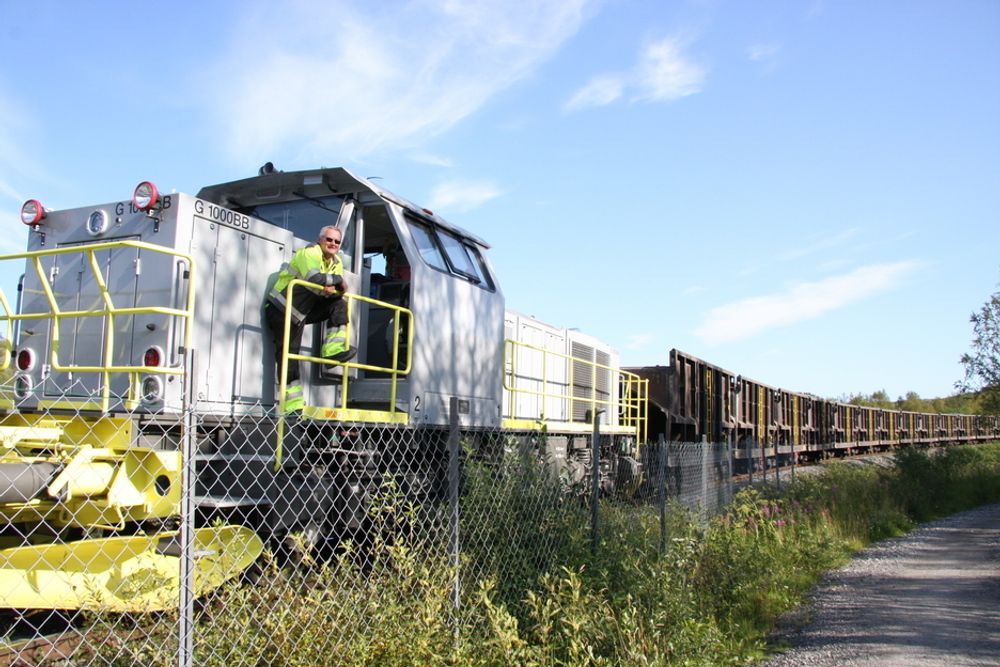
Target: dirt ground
(929,598)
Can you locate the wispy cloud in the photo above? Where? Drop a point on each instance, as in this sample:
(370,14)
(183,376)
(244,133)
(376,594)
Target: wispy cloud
(350,79)
(663,73)
(639,341)
(748,317)
(820,245)
(762,51)
(11,155)
(600,92)
(431,159)
(462,196)
(14,161)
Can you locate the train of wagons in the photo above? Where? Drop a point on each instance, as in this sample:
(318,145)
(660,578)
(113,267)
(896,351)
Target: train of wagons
(692,401)
(136,364)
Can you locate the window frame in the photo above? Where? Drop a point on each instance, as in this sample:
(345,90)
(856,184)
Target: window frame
(477,273)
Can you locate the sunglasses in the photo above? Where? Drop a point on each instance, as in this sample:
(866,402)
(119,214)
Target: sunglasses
(330,239)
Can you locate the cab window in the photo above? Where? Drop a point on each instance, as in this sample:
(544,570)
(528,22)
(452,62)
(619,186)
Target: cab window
(458,256)
(430,252)
(448,252)
(303,217)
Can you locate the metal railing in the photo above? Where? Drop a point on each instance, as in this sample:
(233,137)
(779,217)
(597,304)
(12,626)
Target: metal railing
(110,311)
(341,410)
(626,397)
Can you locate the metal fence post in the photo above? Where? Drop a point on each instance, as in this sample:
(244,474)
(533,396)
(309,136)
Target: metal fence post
(777,465)
(794,456)
(730,479)
(662,474)
(185,629)
(704,475)
(454,544)
(595,479)
(731,463)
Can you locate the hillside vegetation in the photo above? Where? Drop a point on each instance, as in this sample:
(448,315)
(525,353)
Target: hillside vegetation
(969,403)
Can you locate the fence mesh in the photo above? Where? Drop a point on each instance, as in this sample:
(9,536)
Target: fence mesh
(194,538)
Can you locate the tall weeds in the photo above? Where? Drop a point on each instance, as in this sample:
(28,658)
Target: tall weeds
(533,594)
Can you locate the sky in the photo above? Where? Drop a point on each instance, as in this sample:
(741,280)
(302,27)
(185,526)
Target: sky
(806,192)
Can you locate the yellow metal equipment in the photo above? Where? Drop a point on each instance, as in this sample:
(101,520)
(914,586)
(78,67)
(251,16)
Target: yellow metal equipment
(122,574)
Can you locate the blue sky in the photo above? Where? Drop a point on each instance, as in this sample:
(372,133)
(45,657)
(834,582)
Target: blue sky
(806,192)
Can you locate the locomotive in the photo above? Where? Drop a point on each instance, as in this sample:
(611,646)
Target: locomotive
(141,386)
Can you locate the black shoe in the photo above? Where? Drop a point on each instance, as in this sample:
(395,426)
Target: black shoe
(346,355)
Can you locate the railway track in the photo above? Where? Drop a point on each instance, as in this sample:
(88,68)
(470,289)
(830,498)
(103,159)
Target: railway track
(31,640)
(786,473)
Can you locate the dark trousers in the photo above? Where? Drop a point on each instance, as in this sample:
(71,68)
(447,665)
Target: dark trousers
(332,310)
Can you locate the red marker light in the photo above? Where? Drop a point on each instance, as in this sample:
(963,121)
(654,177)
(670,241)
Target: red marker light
(25,360)
(32,212)
(146,196)
(153,357)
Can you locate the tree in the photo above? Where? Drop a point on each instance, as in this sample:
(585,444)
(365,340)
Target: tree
(912,402)
(982,363)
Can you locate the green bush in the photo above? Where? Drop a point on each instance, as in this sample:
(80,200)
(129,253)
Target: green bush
(534,594)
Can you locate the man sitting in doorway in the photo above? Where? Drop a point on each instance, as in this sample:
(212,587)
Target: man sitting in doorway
(323,300)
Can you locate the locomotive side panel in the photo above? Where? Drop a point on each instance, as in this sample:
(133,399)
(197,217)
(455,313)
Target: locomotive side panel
(236,264)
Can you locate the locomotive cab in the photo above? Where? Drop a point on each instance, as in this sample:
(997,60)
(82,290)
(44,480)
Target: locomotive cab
(426,295)
(115,294)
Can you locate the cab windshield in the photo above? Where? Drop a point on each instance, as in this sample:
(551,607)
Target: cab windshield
(303,217)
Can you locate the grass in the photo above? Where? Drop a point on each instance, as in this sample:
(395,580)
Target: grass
(534,594)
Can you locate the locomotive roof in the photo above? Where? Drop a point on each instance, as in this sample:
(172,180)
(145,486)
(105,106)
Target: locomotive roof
(289,185)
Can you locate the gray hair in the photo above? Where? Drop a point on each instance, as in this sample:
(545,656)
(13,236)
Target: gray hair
(323,232)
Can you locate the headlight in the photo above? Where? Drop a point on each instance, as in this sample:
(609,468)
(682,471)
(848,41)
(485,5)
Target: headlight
(152,389)
(32,212)
(146,196)
(22,386)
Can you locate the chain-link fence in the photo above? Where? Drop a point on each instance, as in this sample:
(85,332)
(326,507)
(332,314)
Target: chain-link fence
(248,539)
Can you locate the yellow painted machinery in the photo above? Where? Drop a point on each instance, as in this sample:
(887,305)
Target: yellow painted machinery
(65,481)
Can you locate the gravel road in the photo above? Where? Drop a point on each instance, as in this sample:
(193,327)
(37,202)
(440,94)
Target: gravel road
(929,598)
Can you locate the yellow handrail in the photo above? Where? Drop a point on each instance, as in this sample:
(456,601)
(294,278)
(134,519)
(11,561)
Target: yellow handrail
(109,310)
(631,400)
(394,372)
(6,339)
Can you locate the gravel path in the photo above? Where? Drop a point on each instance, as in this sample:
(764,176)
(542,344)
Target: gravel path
(929,598)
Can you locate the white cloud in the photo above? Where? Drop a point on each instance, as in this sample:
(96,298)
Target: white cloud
(663,73)
(339,79)
(748,317)
(460,197)
(820,245)
(600,92)
(432,160)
